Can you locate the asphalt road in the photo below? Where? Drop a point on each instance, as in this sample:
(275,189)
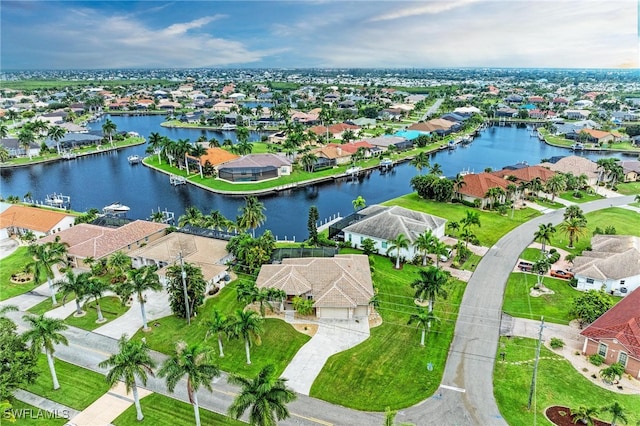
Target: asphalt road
(466,393)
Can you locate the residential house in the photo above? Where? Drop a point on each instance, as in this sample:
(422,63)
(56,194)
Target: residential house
(576,165)
(454,117)
(525,174)
(612,264)
(616,335)
(340,286)
(536,99)
(631,170)
(19,219)
(506,112)
(390,114)
(91,241)
(17,150)
(598,136)
(514,99)
(577,114)
(440,126)
(382,143)
(334,131)
(255,167)
(383,224)
(476,186)
(215,157)
(330,155)
(362,122)
(467,111)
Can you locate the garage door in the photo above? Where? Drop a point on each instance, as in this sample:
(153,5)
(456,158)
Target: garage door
(333,313)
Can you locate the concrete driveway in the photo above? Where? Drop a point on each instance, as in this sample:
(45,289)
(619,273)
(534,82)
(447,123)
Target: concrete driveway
(8,246)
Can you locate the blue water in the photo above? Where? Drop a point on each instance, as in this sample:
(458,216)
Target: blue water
(409,134)
(99,180)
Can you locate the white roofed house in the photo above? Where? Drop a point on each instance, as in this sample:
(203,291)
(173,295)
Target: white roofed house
(340,286)
(612,264)
(383,224)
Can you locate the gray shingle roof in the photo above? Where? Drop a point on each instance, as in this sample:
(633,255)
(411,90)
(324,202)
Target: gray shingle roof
(612,257)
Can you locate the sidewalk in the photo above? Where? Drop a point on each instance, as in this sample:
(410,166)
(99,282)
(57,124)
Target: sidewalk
(108,407)
(45,404)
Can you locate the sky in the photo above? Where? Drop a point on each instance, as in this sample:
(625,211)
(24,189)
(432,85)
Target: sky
(319,34)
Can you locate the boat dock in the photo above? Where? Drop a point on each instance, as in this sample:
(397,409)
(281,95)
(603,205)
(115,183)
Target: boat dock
(177,180)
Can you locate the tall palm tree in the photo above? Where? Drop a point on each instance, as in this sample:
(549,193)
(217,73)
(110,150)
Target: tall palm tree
(155,143)
(308,160)
(435,169)
(195,362)
(265,396)
(458,183)
(73,284)
(25,137)
(45,257)
(556,184)
(617,412)
(133,361)
(192,216)
(421,161)
(56,133)
(359,203)
(252,214)
(44,333)
(573,211)
(574,228)
(4,130)
(138,281)
(423,321)
(494,194)
(118,263)
(439,249)
(109,128)
(431,284)
(544,234)
(198,151)
(399,243)
(471,218)
(4,154)
(95,290)
(424,244)
(215,220)
(247,325)
(218,325)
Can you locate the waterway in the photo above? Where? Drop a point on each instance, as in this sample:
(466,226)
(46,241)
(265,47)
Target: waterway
(99,180)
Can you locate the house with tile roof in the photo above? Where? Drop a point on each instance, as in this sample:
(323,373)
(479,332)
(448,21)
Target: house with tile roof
(383,224)
(440,126)
(215,157)
(616,335)
(598,136)
(612,264)
(255,167)
(382,143)
(631,170)
(86,240)
(525,174)
(576,165)
(340,286)
(19,219)
(576,114)
(476,186)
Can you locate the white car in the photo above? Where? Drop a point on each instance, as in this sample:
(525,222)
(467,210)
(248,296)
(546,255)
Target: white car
(445,257)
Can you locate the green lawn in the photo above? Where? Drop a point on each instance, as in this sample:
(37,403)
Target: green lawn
(47,305)
(512,382)
(280,342)
(11,264)
(111,309)
(629,188)
(626,222)
(494,226)
(471,263)
(28,415)
(161,410)
(548,203)
(79,387)
(530,254)
(389,369)
(586,196)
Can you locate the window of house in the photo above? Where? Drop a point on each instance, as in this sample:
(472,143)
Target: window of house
(361,239)
(349,237)
(622,358)
(384,244)
(602,350)
(589,280)
(621,282)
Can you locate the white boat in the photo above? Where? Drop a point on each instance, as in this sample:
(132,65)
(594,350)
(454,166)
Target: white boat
(116,207)
(353,170)
(133,159)
(386,162)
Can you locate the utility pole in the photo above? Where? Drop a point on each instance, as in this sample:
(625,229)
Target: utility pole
(184,287)
(535,365)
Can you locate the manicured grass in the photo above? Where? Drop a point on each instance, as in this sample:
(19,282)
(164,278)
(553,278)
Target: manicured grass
(629,188)
(471,263)
(160,410)
(586,196)
(11,264)
(280,341)
(530,254)
(548,203)
(29,415)
(626,222)
(494,226)
(47,305)
(389,369)
(111,309)
(79,387)
(512,382)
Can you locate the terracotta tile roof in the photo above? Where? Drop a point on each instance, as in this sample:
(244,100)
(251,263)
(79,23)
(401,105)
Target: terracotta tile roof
(477,185)
(574,164)
(597,134)
(33,218)
(526,174)
(621,322)
(87,240)
(341,127)
(340,281)
(217,156)
(351,147)
(331,152)
(432,125)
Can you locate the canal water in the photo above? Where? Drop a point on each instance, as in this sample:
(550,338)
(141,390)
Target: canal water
(98,180)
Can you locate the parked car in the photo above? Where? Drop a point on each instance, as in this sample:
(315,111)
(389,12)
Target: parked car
(525,266)
(559,273)
(447,256)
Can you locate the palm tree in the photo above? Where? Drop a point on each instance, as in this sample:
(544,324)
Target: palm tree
(265,396)
(359,203)
(109,128)
(25,137)
(435,169)
(472,218)
(439,249)
(155,142)
(195,362)
(217,325)
(56,133)
(73,284)
(119,263)
(252,214)
(423,321)
(573,211)
(43,333)
(616,411)
(138,281)
(247,325)
(494,194)
(543,234)
(584,415)
(4,154)
(399,243)
(192,216)
(430,285)
(575,228)
(215,220)
(133,361)
(424,244)
(421,161)
(458,183)
(46,256)
(96,289)
(556,183)
(4,131)
(308,160)
(536,186)
(453,226)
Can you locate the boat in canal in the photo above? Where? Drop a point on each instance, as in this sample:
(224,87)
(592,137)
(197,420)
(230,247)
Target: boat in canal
(115,208)
(134,159)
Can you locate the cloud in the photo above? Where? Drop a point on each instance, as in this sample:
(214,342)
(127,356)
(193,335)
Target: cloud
(431,8)
(176,29)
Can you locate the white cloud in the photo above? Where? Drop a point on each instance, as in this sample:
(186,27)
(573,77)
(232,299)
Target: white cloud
(176,29)
(430,8)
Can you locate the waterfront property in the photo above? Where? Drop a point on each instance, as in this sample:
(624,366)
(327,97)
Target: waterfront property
(475,187)
(18,219)
(631,170)
(339,286)
(255,167)
(576,165)
(612,264)
(616,335)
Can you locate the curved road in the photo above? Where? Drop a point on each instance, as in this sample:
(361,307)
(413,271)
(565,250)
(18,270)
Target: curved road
(466,392)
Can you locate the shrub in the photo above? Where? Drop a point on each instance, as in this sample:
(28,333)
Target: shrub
(596,359)
(556,343)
